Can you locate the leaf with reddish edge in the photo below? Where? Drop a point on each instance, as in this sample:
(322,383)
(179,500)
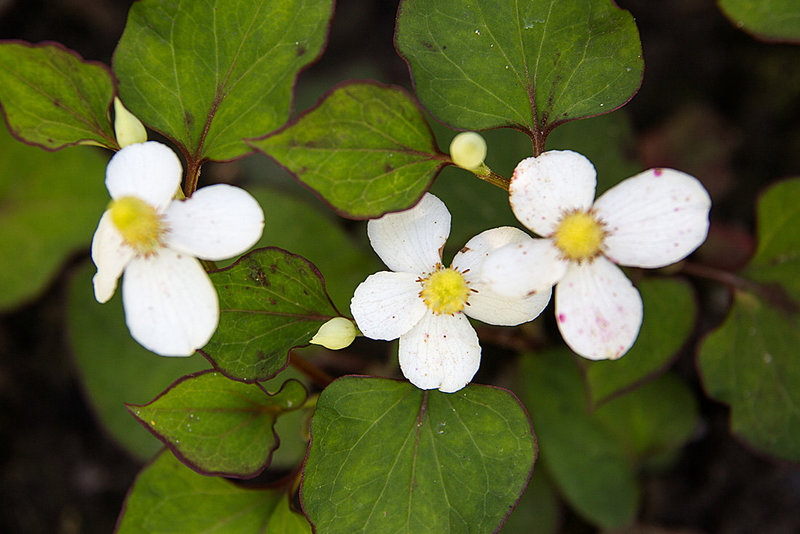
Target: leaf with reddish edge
(770,20)
(167,496)
(388,457)
(270,302)
(217,425)
(53,98)
(364,148)
(484,64)
(209,73)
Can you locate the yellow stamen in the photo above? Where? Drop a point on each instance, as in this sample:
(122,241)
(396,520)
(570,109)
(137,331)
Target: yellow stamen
(445,291)
(141,227)
(579,236)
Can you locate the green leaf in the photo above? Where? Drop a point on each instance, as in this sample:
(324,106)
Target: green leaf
(777,258)
(529,65)
(365,149)
(647,426)
(750,363)
(584,457)
(217,425)
(270,302)
(669,317)
(773,20)
(388,457)
(209,73)
(51,203)
(113,368)
(169,497)
(53,98)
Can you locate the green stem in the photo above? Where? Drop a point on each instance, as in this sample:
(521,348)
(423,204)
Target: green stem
(488,175)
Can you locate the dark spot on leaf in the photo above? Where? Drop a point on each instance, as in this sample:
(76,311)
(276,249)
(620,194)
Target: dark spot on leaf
(273,301)
(57,102)
(258,276)
(305,292)
(188,118)
(301,50)
(301,271)
(273,268)
(427,45)
(387,168)
(302,170)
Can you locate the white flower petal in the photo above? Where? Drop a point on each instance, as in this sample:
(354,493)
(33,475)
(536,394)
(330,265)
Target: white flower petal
(387,305)
(149,171)
(216,223)
(544,188)
(654,219)
(110,255)
(598,310)
(483,303)
(442,352)
(470,258)
(171,306)
(411,241)
(519,269)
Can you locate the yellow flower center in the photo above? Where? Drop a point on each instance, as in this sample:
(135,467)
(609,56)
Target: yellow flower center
(445,291)
(141,227)
(579,236)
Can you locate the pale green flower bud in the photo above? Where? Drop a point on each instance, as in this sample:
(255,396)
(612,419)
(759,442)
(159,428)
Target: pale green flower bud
(336,334)
(127,127)
(468,150)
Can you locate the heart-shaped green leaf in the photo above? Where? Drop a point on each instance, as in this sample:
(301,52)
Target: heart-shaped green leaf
(773,20)
(169,497)
(527,64)
(210,73)
(365,149)
(52,97)
(113,368)
(270,301)
(51,203)
(388,457)
(669,316)
(217,425)
(750,362)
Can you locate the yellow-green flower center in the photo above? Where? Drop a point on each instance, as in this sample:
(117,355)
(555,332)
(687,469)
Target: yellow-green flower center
(445,291)
(141,227)
(579,236)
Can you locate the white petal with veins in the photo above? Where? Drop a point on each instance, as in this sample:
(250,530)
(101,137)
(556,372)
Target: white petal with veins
(171,306)
(598,310)
(544,188)
(654,219)
(387,305)
(217,222)
(441,352)
(411,241)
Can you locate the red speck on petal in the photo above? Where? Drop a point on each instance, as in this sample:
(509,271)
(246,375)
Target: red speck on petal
(658,172)
(561,317)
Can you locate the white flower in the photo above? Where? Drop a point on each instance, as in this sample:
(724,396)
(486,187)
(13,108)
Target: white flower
(653,219)
(421,302)
(171,307)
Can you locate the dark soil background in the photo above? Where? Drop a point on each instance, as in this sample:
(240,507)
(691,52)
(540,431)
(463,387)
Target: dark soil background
(715,102)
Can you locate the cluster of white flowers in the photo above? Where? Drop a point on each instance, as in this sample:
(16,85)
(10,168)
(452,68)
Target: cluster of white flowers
(504,277)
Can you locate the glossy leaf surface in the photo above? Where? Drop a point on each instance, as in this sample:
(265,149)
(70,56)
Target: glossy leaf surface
(387,457)
(209,73)
(529,65)
(218,425)
(270,301)
(365,149)
(52,97)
